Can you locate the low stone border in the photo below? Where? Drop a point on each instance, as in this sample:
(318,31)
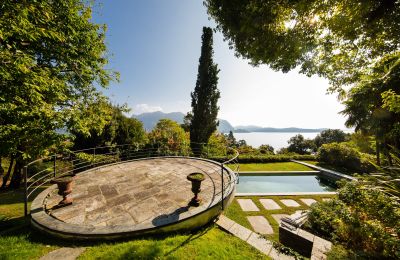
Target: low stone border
(286,193)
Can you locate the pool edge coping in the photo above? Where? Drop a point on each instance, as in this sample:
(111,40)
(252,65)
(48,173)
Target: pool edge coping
(285,193)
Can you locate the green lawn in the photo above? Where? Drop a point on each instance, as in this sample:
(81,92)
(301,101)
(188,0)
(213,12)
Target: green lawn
(235,213)
(19,241)
(330,167)
(278,166)
(210,243)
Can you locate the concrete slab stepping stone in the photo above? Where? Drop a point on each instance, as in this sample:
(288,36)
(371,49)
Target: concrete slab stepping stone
(247,205)
(240,231)
(260,225)
(326,199)
(290,203)
(64,253)
(269,204)
(278,217)
(308,202)
(260,243)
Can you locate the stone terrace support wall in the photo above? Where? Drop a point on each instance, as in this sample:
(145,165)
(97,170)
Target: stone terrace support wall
(304,242)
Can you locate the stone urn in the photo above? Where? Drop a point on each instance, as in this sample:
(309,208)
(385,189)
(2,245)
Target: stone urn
(64,186)
(196,178)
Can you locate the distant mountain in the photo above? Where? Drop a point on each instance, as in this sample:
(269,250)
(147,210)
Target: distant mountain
(150,120)
(253,128)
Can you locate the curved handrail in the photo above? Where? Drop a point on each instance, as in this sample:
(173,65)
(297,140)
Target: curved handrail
(73,162)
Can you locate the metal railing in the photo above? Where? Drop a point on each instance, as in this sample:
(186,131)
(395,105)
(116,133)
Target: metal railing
(42,171)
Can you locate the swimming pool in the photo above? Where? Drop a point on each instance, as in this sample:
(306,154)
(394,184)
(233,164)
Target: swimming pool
(276,183)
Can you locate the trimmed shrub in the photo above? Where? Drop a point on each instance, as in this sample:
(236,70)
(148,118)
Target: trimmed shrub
(264,159)
(342,155)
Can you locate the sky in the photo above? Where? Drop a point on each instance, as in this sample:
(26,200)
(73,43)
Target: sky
(155,46)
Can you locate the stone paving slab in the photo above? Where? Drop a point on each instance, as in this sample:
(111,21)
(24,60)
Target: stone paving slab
(290,203)
(269,204)
(278,217)
(144,193)
(64,253)
(308,202)
(326,199)
(247,205)
(260,225)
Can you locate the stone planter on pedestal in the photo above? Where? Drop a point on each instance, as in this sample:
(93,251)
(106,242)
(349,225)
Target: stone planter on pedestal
(64,185)
(196,178)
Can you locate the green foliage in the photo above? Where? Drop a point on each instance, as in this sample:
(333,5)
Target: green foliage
(369,106)
(168,137)
(363,219)
(205,96)
(51,56)
(266,149)
(217,145)
(297,144)
(117,131)
(343,155)
(330,136)
(264,158)
(334,39)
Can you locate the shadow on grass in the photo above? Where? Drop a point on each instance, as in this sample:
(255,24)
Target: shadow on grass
(20,227)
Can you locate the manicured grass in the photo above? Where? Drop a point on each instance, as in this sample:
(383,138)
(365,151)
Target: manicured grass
(330,167)
(235,213)
(210,243)
(278,166)
(19,241)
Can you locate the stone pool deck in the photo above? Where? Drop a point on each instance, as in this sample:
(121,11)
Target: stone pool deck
(131,196)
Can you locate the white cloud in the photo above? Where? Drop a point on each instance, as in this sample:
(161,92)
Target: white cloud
(145,108)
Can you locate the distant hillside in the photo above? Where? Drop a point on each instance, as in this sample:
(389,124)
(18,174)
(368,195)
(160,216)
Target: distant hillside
(252,128)
(150,120)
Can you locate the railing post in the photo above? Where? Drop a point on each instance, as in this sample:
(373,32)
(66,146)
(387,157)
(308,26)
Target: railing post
(222,186)
(94,155)
(54,165)
(25,173)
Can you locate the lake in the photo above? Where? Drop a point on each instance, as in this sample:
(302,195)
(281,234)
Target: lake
(276,139)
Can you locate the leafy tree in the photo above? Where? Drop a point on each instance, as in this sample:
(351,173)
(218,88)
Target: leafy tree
(297,144)
(217,145)
(119,130)
(231,139)
(51,54)
(205,96)
(371,108)
(266,149)
(169,138)
(334,39)
(330,136)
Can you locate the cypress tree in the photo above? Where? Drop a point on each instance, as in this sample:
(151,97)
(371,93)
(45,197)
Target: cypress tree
(205,96)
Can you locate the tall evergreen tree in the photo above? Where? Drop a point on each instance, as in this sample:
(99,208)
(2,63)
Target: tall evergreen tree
(205,96)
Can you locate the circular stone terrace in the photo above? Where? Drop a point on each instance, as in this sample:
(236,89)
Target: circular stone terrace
(132,198)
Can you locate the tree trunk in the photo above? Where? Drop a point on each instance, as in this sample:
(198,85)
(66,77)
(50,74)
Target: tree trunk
(378,153)
(17,174)
(1,169)
(7,176)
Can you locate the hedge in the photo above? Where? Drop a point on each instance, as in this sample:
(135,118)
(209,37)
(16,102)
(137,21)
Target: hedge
(264,158)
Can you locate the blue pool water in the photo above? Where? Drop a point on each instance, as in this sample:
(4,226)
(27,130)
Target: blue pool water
(282,183)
